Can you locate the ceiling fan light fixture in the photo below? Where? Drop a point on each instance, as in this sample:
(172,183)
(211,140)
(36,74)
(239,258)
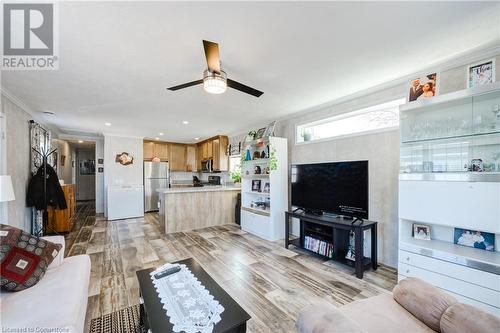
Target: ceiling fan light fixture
(214,83)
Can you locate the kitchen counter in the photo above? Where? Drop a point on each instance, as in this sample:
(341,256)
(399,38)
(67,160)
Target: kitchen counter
(185,189)
(187,208)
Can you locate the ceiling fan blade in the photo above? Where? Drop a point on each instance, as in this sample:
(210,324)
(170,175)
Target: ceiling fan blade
(185,85)
(243,88)
(212,56)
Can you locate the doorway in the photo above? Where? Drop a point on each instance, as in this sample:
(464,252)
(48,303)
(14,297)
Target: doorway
(84,170)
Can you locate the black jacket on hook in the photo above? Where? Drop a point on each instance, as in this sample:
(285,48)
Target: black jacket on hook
(55,194)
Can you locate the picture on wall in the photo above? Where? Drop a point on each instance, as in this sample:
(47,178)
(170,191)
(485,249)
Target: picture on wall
(124,158)
(423,87)
(476,239)
(87,167)
(481,73)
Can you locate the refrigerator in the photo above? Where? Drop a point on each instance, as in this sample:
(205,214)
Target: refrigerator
(156,176)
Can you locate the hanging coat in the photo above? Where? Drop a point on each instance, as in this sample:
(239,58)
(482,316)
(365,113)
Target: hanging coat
(55,194)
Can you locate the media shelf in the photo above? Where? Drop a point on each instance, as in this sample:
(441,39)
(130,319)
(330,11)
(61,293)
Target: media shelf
(335,231)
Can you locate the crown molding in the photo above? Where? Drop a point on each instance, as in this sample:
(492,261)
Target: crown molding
(123,136)
(26,108)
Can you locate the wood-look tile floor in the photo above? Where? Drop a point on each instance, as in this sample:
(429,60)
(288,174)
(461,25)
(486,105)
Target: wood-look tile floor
(270,282)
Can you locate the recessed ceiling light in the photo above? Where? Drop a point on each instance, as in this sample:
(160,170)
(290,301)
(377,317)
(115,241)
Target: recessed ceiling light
(157,138)
(161,133)
(80,141)
(185,122)
(197,138)
(107,124)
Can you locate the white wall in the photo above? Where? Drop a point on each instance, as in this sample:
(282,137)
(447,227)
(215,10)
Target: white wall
(117,174)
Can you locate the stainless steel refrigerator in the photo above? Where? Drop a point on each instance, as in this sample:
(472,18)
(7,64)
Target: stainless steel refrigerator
(156,176)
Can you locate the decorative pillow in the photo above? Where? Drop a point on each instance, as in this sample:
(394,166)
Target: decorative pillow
(464,318)
(24,258)
(423,300)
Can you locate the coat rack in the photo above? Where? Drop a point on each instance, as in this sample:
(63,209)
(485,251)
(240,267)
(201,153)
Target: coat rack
(45,214)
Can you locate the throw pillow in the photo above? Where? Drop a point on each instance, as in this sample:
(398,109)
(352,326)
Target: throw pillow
(24,258)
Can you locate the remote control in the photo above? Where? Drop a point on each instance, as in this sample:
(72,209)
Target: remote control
(166,272)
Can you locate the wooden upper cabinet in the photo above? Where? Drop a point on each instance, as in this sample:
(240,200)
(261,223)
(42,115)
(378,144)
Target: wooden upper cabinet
(204,149)
(221,160)
(148,150)
(161,151)
(177,161)
(191,164)
(210,149)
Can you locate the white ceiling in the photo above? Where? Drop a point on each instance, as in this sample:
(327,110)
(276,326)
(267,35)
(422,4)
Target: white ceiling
(117,58)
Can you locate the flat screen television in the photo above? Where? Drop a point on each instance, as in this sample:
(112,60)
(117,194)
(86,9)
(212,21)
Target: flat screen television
(339,187)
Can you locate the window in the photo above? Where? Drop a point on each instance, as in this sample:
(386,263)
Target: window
(373,119)
(235,168)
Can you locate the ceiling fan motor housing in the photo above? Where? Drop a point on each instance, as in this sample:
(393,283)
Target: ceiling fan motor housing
(214,83)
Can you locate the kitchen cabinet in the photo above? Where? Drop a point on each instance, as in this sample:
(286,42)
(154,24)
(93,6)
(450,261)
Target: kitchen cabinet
(177,160)
(219,155)
(191,160)
(155,149)
(161,151)
(148,150)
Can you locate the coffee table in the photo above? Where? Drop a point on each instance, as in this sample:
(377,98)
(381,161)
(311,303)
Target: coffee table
(233,319)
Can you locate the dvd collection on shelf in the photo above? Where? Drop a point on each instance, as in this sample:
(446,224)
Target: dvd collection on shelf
(318,246)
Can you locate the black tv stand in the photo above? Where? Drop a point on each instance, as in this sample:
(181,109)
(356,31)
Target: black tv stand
(335,231)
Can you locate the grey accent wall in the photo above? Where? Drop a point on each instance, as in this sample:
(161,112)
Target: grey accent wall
(18,159)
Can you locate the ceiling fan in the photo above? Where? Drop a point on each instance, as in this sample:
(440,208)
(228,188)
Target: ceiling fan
(215,80)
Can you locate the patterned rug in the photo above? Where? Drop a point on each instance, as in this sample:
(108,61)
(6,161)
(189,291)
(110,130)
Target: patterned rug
(126,320)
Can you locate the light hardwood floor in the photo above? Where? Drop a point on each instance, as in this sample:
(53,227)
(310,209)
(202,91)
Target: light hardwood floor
(272,284)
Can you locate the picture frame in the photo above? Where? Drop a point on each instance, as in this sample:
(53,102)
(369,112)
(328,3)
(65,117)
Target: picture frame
(87,167)
(267,187)
(480,73)
(474,238)
(124,158)
(256,185)
(421,231)
(423,87)
(100,161)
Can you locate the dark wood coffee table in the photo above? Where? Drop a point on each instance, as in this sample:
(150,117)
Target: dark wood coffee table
(233,319)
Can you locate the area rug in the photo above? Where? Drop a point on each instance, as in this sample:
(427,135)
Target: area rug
(126,320)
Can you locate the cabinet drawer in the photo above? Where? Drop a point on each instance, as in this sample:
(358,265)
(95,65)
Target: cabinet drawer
(453,285)
(471,275)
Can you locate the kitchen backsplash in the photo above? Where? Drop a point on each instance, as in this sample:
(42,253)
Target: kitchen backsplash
(183,177)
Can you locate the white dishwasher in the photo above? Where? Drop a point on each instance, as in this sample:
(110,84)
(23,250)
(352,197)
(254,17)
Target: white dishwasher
(125,202)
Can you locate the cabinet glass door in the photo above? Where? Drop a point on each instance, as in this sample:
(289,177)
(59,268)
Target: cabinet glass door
(486,113)
(445,120)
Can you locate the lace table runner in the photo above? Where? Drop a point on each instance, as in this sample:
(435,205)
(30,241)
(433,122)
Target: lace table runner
(188,304)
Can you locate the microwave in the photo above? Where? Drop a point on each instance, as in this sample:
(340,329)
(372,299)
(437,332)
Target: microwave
(207,165)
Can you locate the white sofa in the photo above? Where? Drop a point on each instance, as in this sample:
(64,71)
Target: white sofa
(58,303)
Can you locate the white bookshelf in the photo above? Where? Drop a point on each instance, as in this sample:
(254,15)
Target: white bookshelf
(266,222)
(439,138)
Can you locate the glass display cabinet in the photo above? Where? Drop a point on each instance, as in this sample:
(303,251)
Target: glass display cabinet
(453,133)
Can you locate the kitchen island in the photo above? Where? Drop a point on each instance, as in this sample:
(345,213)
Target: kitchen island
(188,208)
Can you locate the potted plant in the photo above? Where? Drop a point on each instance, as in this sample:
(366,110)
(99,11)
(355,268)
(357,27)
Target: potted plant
(236,175)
